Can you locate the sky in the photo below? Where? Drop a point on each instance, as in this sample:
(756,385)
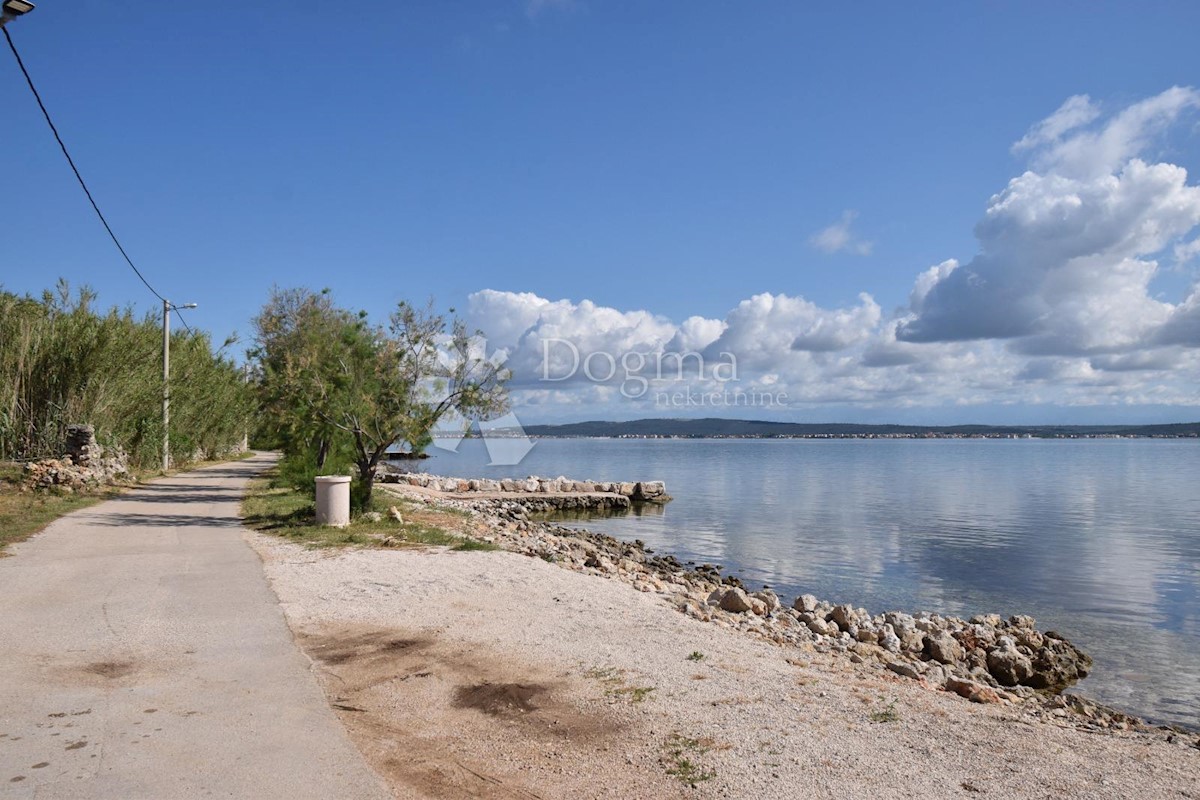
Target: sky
(923,213)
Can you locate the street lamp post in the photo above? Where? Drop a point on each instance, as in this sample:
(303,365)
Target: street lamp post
(11,9)
(166,448)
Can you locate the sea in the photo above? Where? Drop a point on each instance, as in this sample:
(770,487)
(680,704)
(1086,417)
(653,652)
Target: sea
(1098,539)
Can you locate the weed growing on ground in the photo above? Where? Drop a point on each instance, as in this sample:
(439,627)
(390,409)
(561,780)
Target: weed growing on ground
(679,752)
(615,685)
(888,714)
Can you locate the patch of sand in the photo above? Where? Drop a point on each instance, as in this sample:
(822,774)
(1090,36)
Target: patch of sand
(494,675)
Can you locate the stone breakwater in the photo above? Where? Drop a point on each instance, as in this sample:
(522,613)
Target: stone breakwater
(985,659)
(541,495)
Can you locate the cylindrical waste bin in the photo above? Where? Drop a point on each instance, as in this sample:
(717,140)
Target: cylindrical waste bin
(333,500)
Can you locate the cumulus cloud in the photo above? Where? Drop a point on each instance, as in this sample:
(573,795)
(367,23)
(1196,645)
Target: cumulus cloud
(839,237)
(810,355)
(1055,308)
(1067,254)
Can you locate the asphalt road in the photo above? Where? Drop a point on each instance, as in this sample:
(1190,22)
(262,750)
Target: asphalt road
(143,655)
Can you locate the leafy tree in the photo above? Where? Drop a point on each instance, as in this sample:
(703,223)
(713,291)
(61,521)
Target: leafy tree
(326,372)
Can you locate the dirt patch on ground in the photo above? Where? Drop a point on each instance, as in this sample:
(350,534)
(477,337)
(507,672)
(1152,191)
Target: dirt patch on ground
(110,669)
(438,719)
(498,699)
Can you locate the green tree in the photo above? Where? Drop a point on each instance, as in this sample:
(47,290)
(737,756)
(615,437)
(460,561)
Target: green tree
(326,372)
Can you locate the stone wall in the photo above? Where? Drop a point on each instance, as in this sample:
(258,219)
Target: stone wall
(83,465)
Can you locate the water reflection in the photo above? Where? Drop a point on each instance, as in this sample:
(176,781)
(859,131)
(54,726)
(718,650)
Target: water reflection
(1098,539)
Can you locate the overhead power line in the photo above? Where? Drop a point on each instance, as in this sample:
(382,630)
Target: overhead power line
(79,177)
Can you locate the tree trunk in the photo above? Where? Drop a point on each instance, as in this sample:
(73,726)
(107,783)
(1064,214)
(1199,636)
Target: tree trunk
(322,452)
(366,479)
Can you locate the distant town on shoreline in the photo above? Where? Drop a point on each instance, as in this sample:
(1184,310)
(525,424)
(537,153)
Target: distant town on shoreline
(716,428)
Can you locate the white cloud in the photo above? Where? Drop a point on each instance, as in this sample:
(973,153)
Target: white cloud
(839,238)
(1054,309)
(1078,110)
(1186,251)
(1067,255)
(1091,153)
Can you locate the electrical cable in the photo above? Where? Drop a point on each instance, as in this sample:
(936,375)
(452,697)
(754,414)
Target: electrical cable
(79,177)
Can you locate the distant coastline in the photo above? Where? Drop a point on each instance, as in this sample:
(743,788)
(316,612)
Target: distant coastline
(716,428)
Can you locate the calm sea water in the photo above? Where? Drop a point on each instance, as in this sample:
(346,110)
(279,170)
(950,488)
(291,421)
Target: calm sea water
(1097,539)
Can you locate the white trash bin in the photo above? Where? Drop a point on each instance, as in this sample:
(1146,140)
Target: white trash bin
(333,500)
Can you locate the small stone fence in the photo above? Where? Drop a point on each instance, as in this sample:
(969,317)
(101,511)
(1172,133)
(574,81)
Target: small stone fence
(83,465)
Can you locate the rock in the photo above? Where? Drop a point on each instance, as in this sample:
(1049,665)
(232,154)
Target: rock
(394,513)
(736,600)
(650,491)
(975,692)
(821,627)
(843,616)
(936,675)
(902,624)
(1058,664)
(888,639)
(372,516)
(626,489)
(758,607)
(904,668)
(769,599)
(805,602)
(944,648)
(1008,665)
(988,620)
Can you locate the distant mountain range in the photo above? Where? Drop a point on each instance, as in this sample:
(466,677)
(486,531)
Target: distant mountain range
(715,428)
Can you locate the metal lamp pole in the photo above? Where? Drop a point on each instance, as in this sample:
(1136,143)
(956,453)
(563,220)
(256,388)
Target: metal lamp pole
(166,448)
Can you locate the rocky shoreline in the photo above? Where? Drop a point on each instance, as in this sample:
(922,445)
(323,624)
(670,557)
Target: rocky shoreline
(985,659)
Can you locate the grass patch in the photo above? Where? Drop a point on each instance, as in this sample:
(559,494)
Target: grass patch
(615,685)
(678,755)
(289,513)
(888,714)
(22,514)
(696,656)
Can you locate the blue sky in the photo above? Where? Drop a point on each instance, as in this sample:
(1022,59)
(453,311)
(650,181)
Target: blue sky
(677,158)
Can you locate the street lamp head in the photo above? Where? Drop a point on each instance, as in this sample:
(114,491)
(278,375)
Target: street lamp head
(187,305)
(15,8)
